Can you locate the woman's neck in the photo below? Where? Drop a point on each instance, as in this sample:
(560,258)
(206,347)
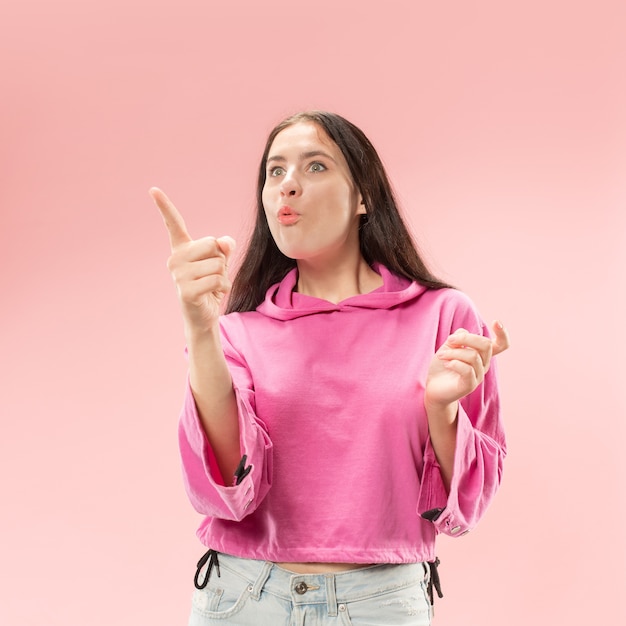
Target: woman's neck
(335,282)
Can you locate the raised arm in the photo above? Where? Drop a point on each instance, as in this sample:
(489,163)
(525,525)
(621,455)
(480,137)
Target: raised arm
(199,269)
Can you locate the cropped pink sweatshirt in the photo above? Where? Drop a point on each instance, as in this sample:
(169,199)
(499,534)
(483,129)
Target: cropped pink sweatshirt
(339,463)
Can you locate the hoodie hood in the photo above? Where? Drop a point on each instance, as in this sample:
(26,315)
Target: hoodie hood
(282,303)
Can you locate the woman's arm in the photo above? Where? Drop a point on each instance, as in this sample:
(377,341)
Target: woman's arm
(199,269)
(215,400)
(457,369)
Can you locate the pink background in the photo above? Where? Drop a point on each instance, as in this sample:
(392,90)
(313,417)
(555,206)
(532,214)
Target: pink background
(502,125)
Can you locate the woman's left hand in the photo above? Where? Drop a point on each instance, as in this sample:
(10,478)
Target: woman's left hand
(460,365)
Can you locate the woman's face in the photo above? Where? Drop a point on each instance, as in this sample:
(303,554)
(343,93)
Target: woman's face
(311,202)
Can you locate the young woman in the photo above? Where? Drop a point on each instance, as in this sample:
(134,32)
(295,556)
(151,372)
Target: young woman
(344,410)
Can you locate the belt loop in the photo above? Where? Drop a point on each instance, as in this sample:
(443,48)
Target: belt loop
(256,588)
(331,596)
(426,572)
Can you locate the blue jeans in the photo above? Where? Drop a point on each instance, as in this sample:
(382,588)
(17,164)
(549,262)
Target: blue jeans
(259,593)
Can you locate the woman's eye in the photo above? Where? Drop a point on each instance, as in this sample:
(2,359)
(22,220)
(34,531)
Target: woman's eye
(276,171)
(317,167)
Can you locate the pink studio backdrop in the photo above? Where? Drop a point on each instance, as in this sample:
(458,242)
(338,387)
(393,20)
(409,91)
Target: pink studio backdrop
(502,126)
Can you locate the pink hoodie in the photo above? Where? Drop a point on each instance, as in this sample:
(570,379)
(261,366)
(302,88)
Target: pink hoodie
(334,430)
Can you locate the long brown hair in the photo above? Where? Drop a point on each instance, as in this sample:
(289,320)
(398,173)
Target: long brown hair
(383,235)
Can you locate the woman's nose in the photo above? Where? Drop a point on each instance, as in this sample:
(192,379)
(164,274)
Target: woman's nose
(290,185)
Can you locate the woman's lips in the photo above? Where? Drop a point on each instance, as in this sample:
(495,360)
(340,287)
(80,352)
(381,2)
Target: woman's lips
(287,216)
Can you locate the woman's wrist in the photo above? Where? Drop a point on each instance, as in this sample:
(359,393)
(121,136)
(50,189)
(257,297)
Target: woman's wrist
(441,414)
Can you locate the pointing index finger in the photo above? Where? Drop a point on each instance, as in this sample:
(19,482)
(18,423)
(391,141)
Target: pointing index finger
(174,221)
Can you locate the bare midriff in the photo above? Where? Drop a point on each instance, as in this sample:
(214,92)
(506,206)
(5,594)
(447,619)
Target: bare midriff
(321,568)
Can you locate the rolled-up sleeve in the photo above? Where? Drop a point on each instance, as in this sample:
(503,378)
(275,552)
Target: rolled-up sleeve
(203,482)
(479,454)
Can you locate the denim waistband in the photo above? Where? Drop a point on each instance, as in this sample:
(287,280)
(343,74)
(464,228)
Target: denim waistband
(331,589)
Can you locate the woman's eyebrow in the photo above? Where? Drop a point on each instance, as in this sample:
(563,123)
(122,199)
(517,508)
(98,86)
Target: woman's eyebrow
(302,156)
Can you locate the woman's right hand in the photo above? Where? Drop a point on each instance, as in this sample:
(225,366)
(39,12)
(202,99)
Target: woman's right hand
(199,268)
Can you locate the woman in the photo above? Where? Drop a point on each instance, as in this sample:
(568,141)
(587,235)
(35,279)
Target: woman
(343,412)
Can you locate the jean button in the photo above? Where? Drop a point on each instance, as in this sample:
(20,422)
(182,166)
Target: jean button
(301,588)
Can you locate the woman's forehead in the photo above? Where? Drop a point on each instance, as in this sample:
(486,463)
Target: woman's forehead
(302,133)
